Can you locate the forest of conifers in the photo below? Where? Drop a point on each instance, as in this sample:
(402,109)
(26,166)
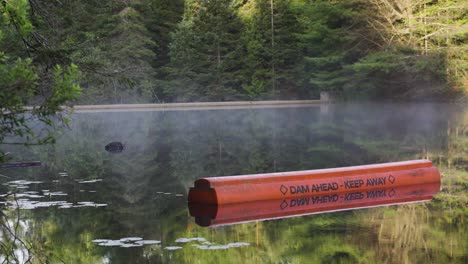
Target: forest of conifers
(136,51)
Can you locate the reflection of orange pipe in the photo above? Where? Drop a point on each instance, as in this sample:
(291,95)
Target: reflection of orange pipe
(215,215)
(270,186)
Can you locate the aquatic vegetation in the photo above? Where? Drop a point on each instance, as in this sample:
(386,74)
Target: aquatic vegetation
(141,193)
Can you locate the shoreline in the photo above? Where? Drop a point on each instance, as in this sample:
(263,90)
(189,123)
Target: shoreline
(194,106)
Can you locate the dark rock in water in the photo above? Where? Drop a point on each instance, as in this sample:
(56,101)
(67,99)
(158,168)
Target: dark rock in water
(115,147)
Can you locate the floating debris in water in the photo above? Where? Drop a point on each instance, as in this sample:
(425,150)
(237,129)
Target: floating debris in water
(167,193)
(206,245)
(56,181)
(130,245)
(55,193)
(216,247)
(172,248)
(91,181)
(66,206)
(114,147)
(125,242)
(22,182)
(27,195)
(148,242)
(111,243)
(128,239)
(100,205)
(88,204)
(187,240)
(238,244)
(26,204)
(85,202)
(99,240)
(138,241)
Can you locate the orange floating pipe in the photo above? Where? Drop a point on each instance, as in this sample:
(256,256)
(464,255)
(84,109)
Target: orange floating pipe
(228,214)
(271,186)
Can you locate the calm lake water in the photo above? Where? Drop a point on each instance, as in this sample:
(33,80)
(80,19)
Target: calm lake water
(88,205)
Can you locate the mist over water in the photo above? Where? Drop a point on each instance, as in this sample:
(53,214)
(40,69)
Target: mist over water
(83,193)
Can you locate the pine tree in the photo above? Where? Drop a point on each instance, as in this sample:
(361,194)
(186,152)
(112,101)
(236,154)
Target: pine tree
(109,41)
(130,53)
(182,70)
(161,18)
(331,40)
(273,55)
(205,58)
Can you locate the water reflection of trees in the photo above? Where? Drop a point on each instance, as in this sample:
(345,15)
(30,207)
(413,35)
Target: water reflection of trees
(12,247)
(166,151)
(415,233)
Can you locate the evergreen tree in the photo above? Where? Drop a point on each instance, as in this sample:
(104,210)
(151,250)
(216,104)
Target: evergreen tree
(161,18)
(129,53)
(205,53)
(271,46)
(188,50)
(109,41)
(181,84)
(124,53)
(332,39)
